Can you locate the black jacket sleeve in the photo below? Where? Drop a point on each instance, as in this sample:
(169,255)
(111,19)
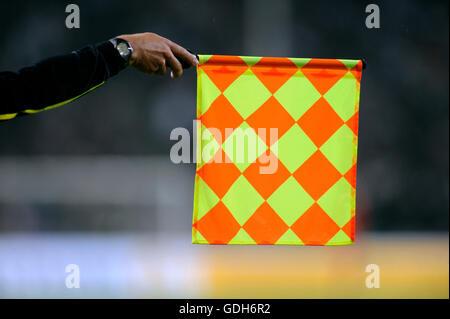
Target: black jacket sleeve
(58,80)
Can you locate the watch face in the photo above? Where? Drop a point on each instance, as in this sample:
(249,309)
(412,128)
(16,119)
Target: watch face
(123,49)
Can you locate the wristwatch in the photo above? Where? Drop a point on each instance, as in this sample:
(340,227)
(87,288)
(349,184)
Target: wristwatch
(124,48)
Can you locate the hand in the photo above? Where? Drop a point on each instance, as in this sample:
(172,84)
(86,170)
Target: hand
(152,54)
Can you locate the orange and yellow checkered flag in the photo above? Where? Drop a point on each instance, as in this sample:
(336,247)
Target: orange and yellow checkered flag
(276,148)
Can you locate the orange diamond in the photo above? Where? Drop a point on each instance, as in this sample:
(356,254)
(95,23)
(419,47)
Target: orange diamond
(219,173)
(315,227)
(356,71)
(270,115)
(221,115)
(218,226)
(350,176)
(265,226)
(320,122)
(352,123)
(223,70)
(324,73)
(317,175)
(266,184)
(274,72)
(349,228)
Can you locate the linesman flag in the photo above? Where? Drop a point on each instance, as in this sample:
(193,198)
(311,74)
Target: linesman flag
(276,151)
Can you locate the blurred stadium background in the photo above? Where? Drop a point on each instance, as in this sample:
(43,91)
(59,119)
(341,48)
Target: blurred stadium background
(92,184)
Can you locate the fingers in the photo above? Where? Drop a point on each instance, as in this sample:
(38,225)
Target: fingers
(162,68)
(154,54)
(183,54)
(175,65)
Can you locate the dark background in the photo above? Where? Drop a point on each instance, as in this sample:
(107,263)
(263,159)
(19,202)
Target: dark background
(110,140)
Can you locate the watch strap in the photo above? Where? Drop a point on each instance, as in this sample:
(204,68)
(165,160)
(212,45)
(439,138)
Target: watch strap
(115,42)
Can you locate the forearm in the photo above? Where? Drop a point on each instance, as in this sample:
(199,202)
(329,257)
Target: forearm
(57,80)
